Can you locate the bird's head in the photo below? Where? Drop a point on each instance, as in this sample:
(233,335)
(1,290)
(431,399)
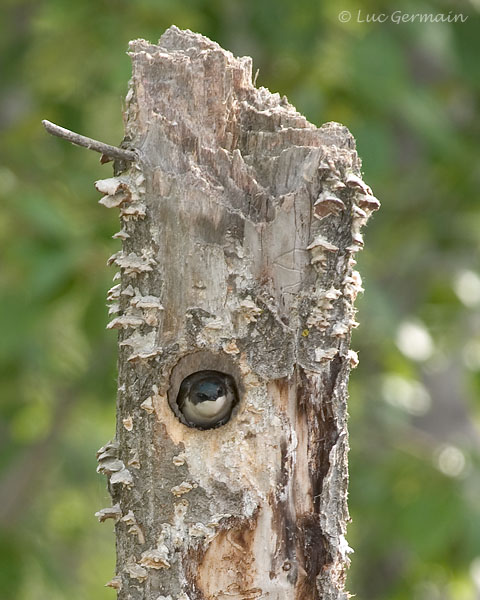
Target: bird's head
(207,390)
(206,398)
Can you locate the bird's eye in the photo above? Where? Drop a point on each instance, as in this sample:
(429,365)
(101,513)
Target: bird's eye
(219,391)
(202,396)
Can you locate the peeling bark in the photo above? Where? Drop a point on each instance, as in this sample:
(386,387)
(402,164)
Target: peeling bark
(240,223)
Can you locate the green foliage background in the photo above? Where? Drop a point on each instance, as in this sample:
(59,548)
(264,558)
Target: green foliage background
(410,94)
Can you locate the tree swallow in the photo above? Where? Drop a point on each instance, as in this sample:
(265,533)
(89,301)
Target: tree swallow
(206,398)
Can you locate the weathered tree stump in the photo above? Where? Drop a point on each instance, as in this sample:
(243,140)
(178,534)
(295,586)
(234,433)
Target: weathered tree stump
(240,223)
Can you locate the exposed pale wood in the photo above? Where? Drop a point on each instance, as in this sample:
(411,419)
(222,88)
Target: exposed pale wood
(240,227)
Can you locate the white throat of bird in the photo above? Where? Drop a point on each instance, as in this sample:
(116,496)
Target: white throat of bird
(210,408)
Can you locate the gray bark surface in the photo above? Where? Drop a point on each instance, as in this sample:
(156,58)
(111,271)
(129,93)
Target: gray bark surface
(240,223)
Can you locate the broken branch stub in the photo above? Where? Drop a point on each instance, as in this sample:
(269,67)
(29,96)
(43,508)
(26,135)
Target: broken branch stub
(239,232)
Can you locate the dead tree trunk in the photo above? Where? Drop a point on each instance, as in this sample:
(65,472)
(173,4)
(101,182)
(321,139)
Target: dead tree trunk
(240,223)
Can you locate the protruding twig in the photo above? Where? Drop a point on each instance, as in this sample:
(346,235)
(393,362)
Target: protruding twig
(86,142)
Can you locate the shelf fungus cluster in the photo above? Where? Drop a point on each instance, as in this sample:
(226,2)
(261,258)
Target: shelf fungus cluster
(240,224)
(341,193)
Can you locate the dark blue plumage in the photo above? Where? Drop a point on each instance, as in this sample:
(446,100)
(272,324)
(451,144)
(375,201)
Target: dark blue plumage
(206,398)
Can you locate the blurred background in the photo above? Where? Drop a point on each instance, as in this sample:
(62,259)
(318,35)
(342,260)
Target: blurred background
(410,93)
